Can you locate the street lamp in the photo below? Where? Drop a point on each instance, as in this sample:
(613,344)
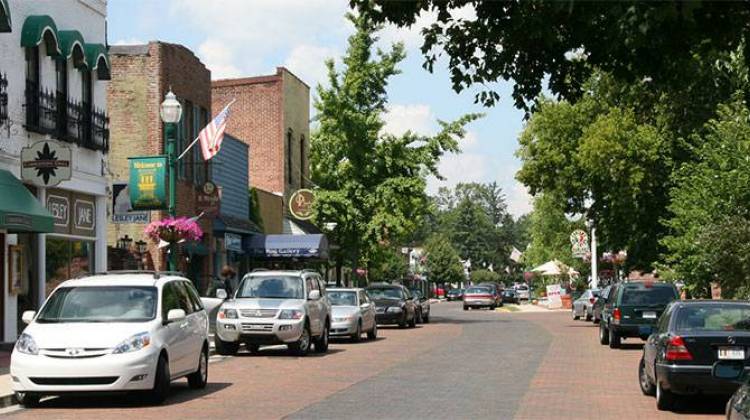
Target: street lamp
(124,242)
(594,270)
(171,112)
(140,246)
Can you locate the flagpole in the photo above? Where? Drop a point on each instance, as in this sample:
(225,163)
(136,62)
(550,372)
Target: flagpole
(196,139)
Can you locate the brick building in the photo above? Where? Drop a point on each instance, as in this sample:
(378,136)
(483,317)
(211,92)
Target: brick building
(141,77)
(272,114)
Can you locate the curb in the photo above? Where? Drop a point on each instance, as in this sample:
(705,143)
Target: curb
(8,400)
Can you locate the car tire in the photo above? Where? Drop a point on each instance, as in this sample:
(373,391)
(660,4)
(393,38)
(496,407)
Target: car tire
(418,316)
(466,308)
(664,399)
(647,387)
(226,348)
(373,333)
(603,335)
(403,322)
(413,322)
(321,343)
(357,336)
(252,348)
(28,400)
(589,316)
(301,347)
(614,339)
(162,380)
(199,378)
(426,318)
(575,316)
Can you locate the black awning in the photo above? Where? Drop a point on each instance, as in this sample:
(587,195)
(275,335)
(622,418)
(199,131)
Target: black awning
(287,246)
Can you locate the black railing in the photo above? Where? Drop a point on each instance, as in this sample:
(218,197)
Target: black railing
(3,99)
(68,120)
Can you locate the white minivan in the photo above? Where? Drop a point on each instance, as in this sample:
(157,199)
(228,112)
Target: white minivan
(127,331)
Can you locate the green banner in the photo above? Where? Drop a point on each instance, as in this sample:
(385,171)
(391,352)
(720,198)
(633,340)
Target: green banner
(148,183)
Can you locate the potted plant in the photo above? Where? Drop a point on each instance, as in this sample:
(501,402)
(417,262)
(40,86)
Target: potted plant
(174,230)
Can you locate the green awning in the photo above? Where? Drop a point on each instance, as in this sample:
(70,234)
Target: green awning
(98,58)
(38,29)
(72,45)
(24,213)
(5,25)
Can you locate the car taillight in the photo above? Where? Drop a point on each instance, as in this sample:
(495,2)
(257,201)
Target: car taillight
(592,300)
(616,315)
(676,349)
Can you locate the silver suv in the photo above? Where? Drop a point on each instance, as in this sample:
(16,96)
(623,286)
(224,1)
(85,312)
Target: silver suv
(275,307)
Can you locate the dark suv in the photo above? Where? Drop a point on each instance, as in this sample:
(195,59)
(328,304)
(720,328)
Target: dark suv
(394,304)
(631,310)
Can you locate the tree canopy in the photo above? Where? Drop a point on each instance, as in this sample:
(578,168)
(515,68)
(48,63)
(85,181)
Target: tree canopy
(441,261)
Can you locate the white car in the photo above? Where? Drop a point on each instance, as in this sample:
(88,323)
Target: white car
(353,314)
(275,307)
(113,332)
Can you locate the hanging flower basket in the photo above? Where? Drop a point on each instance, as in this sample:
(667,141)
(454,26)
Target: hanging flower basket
(174,230)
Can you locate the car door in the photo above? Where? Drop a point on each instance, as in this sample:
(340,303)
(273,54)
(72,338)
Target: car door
(607,308)
(323,302)
(367,310)
(651,346)
(198,322)
(177,335)
(313,306)
(409,299)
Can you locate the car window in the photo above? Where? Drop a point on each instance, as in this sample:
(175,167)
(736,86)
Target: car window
(100,304)
(170,299)
(362,297)
(713,317)
(612,296)
(643,294)
(193,295)
(663,324)
(322,286)
(186,304)
(384,293)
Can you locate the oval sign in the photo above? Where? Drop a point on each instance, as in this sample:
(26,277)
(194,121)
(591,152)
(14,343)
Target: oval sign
(300,204)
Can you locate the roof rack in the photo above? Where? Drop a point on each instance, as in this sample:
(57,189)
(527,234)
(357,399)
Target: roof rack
(156,274)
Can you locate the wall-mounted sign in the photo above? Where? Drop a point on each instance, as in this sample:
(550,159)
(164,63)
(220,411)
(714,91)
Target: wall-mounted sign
(233,242)
(148,183)
(85,215)
(208,200)
(300,204)
(46,163)
(73,213)
(122,210)
(579,242)
(59,206)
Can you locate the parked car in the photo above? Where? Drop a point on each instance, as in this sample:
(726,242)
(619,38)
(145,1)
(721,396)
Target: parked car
(455,294)
(393,304)
(480,297)
(423,306)
(522,291)
(738,406)
(353,314)
(276,307)
(690,338)
(632,309)
(497,292)
(509,296)
(583,307)
(113,332)
(599,304)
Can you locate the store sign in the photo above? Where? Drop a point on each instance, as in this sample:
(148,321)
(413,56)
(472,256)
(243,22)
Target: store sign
(300,204)
(59,207)
(148,183)
(579,241)
(122,211)
(46,163)
(208,200)
(85,215)
(554,301)
(73,213)
(233,242)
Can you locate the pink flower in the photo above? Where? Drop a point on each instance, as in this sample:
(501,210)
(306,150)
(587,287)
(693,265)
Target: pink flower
(174,230)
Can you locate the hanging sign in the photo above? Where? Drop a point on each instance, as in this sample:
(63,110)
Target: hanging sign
(208,200)
(147,184)
(579,241)
(122,210)
(300,204)
(554,301)
(46,163)
(233,242)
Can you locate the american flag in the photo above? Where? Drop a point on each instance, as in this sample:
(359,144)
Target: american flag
(212,136)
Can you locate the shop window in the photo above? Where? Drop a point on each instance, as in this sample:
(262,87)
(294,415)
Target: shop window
(67,259)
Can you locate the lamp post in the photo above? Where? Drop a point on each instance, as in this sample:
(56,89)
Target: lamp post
(171,112)
(594,270)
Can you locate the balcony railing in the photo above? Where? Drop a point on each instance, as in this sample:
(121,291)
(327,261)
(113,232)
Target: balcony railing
(68,120)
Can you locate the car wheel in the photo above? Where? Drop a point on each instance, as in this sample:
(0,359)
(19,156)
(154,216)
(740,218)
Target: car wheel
(373,333)
(614,339)
(575,316)
(588,315)
(199,378)
(302,346)
(403,322)
(603,335)
(418,315)
(466,308)
(664,399)
(162,380)
(647,387)
(321,343)
(413,322)
(226,348)
(252,348)
(358,334)
(28,400)
(426,318)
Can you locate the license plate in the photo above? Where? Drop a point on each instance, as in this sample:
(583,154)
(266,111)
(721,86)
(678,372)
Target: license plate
(731,353)
(649,315)
(256,327)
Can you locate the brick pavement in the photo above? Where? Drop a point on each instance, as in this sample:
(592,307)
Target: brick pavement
(581,379)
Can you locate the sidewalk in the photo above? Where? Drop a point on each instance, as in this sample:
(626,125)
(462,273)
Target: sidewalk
(6,391)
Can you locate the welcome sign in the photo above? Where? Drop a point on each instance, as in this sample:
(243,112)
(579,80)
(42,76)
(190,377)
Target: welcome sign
(147,184)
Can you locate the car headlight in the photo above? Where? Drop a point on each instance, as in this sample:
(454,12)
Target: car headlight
(394,309)
(228,314)
(134,343)
(25,344)
(290,314)
(344,318)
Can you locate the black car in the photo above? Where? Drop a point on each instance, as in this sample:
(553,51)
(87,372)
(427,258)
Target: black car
(509,296)
(599,304)
(455,294)
(738,406)
(422,305)
(632,308)
(393,304)
(690,337)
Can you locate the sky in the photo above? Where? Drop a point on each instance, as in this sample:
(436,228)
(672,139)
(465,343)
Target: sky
(239,38)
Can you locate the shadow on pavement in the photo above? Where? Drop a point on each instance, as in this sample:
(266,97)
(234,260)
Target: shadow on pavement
(283,352)
(348,341)
(631,346)
(468,321)
(703,405)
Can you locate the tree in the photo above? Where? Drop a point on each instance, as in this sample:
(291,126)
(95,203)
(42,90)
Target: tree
(550,232)
(369,183)
(442,262)
(485,276)
(386,265)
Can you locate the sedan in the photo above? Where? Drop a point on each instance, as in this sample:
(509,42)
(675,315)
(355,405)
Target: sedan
(510,296)
(353,314)
(690,337)
(583,307)
(423,306)
(393,304)
(738,407)
(455,294)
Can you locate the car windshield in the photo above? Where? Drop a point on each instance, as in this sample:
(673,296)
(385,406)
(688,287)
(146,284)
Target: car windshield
(271,287)
(524,288)
(338,298)
(417,294)
(384,293)
(648,295)
(478,291)
(714,317)
(100,304)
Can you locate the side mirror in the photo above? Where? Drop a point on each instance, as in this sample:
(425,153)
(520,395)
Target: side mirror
(28,316)
(314,295)
(175,315)
(221,294)
(730,370)
(365,305)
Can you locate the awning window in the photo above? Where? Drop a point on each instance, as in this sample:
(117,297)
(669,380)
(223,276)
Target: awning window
(5,24)
(288,246)
(38,29)
(98,59)
(72,46)
(24,213)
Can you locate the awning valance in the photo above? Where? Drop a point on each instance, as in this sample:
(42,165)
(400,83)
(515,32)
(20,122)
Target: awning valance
(98,59)
(5,23)
(72,45)
(288,246)
(38,29)
(23,213)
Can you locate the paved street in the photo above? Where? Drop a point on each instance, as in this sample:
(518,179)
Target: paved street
(474,364)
